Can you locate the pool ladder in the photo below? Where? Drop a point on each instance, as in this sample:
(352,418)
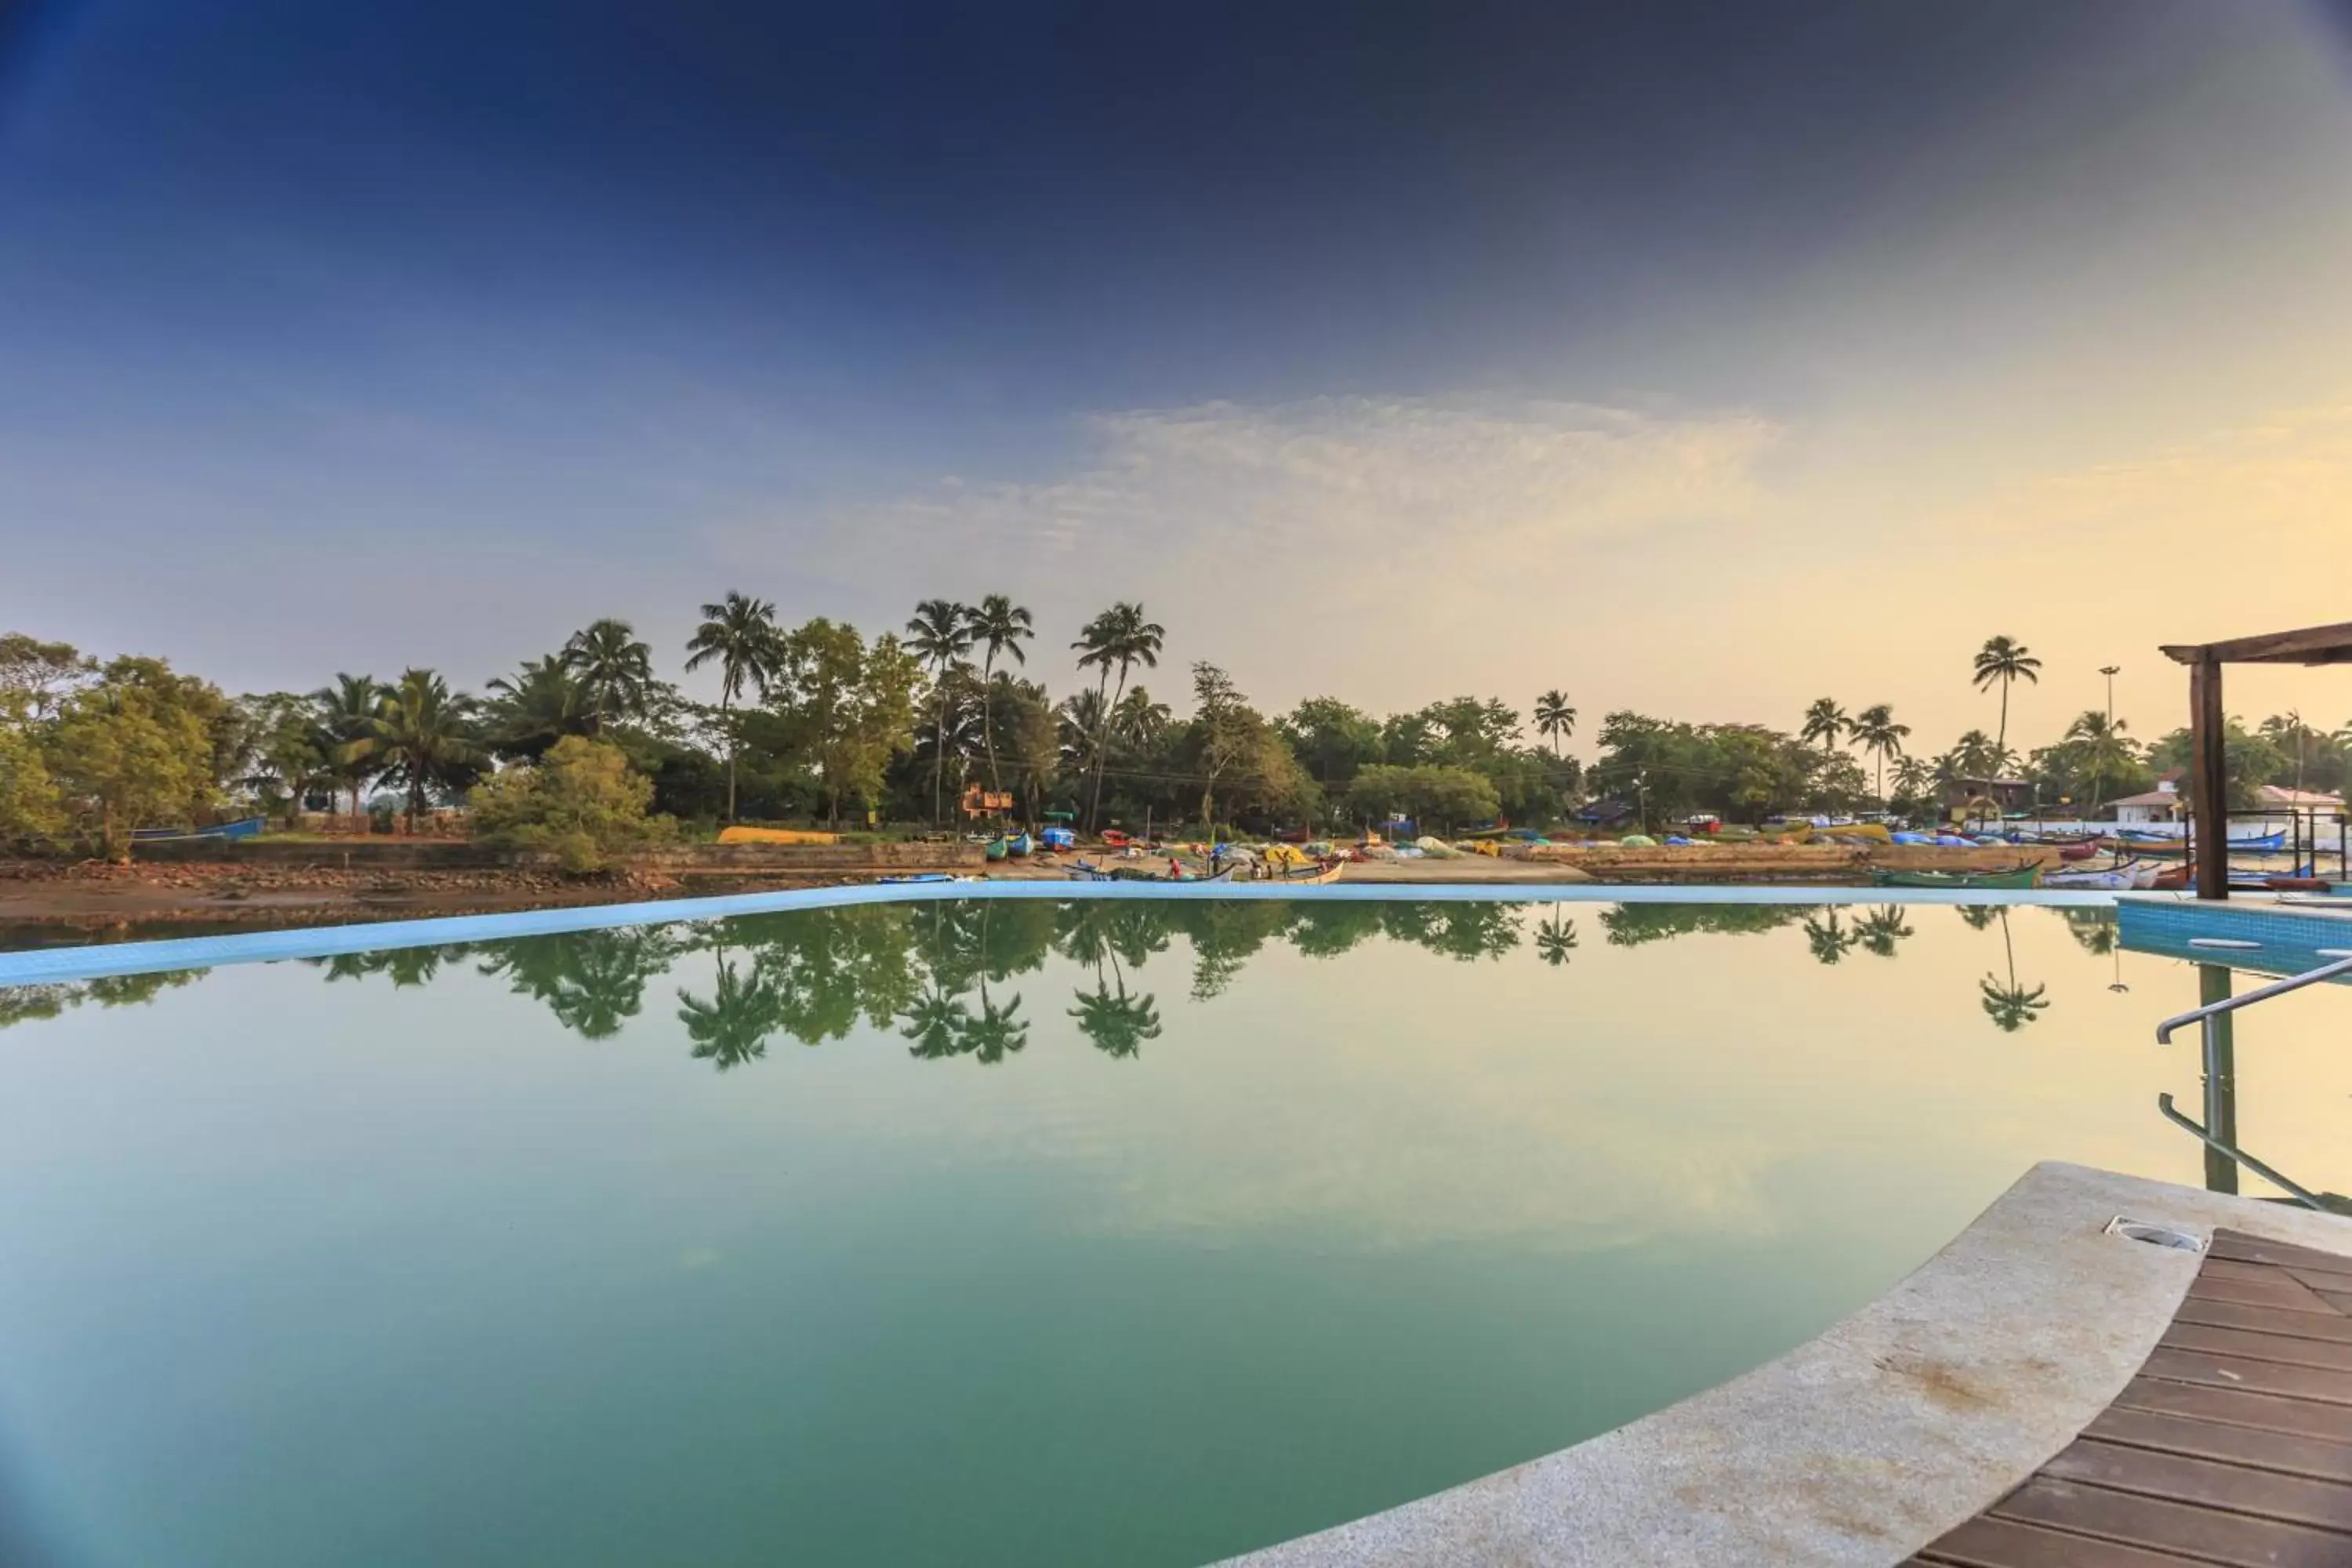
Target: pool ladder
(2218,1076)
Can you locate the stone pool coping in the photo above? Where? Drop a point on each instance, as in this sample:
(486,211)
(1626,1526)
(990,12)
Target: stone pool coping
(1860,1446)
(95,960)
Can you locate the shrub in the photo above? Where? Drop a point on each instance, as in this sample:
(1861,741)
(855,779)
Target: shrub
(579,803)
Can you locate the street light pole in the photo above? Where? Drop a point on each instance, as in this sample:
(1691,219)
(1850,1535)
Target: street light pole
(2110,671)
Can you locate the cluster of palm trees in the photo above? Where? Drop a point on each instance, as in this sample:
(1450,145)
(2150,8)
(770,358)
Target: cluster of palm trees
(942,635)
(416,735)
(2003,661)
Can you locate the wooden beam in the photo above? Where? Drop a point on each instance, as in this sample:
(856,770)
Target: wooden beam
(2209,779)
(2312,644)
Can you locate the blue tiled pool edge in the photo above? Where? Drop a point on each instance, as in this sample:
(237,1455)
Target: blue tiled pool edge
(2288,939)
(99,961)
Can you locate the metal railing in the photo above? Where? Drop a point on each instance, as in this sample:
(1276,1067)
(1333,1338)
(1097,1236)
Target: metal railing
(2219,1075)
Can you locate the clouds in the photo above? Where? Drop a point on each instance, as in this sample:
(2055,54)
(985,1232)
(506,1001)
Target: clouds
(1325,478)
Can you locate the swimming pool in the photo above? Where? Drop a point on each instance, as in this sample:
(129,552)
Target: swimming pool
(1009,1231)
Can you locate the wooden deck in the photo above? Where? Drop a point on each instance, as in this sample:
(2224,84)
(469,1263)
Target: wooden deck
(2233,1444)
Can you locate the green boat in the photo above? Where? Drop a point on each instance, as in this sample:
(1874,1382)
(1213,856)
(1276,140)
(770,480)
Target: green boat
(997,849)
(2015,877)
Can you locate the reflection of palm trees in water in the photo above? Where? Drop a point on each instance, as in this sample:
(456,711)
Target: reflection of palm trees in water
(1116,1023)
(1980,916)
(1878,932)
(593,980)
(732,1027)
(2010,1006)
(1556,939)
(1826,937)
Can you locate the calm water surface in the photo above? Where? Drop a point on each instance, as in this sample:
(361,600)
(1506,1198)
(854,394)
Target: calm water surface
(1008,1232)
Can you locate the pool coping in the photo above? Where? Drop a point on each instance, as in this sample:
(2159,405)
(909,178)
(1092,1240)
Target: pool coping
(94,961)
(1864,1444)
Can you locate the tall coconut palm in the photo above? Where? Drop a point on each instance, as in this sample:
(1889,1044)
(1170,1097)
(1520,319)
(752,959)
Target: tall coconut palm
(1121,637)
(1555,719)
(999,626)
(1913,778)
(940,634)
(1876,731)
(737,633)
(616,671)
(1825,721)
(422,737)
(536,707)
(2007,661)
(344,710)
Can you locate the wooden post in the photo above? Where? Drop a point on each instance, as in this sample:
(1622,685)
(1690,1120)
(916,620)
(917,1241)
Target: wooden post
(2209,779)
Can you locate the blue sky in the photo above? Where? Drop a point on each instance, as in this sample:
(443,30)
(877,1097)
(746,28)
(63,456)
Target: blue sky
(1391,352)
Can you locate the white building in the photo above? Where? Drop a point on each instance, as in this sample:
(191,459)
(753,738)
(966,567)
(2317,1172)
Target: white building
(2165,803)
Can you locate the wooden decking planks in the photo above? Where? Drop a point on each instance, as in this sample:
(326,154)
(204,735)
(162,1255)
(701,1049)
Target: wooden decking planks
(2232,1445)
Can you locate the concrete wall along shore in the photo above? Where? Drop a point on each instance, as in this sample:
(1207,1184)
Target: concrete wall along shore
(389,854)
(1733,862)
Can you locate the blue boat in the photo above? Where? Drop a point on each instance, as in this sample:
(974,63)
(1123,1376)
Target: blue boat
(244,828)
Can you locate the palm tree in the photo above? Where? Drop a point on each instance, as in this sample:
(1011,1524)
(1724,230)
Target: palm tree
(536,707)
(941,634)
(1874,730)
(999,626)
(2007,661)
(1913,778)
(740,632)
(422,737)
(1555,719)
(936,1022)
(1121,637)
(1825,721)
(616,671)
(344,710)
(2106,754)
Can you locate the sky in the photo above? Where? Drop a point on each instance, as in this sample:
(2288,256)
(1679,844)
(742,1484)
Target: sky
(1694,359)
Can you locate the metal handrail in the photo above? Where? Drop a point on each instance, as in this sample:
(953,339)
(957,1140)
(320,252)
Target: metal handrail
(2232,1004)
(2302,1194)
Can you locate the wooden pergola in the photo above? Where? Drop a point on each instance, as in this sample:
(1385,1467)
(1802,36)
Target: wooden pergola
(2208,774)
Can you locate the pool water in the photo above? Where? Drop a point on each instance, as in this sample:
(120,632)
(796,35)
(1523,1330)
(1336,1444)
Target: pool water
(1000,1231)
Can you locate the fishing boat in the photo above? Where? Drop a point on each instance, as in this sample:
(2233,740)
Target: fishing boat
(1019,844)
(996,849)
(2130,876)
(1312,874)
(2014,877)
(2172,844)
(1085,871)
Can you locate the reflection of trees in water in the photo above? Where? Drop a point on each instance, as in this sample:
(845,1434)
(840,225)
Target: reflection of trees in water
(1630,925)
(2010,1006)
(592,981)
(1556,938)
(2093,931)
(1878,932)
(934,970)
(38,1004)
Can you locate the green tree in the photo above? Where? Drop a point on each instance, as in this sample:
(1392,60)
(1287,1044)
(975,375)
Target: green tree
(1555,719)
(36,676)
(344,711)
(999,628)
(289,750)
(30,808)
(616,671)
(1435,796)
(940,636)
(850,707)
(531,710)
(422,737)
(739,633)
(2006,661)
(1220,722)
(136,749)
(1118,637)
(582,803)
(1331,739)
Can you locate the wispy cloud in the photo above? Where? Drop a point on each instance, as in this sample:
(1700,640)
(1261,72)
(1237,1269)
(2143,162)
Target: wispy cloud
(1325,478)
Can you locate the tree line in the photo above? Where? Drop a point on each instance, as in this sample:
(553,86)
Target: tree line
(590,748)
